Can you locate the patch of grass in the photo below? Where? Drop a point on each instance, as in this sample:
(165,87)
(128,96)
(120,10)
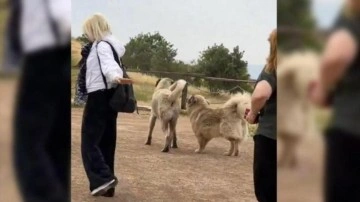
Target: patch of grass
(143,93)
(322,118)
(252,129)
(74,73)
(3,21)
(75,52)
(144,86)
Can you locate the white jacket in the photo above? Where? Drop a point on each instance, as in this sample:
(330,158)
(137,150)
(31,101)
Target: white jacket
(36,16)
(110,68)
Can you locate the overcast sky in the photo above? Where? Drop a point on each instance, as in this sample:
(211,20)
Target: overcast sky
(325,11)
(193,25)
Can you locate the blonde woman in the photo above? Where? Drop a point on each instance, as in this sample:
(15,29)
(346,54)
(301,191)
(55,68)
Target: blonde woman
(340,81)
(263,108)
(98,132)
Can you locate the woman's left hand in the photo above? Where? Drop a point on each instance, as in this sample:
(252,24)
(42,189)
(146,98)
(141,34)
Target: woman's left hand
(317,94)
(251,117)
(124,81)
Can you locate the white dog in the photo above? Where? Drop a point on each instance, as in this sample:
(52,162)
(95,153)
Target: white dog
(165,106)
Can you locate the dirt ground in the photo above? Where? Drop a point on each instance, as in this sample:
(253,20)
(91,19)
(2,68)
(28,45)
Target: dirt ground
(146,174)
(8,188)
(303,183)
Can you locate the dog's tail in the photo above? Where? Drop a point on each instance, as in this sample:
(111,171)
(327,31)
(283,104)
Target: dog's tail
(176,89)
(238,103)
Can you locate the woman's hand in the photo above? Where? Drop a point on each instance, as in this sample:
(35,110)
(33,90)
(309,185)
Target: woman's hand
(317,94)
(124,81)
(251,117)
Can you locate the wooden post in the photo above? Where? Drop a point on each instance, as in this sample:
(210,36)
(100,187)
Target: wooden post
(184,96)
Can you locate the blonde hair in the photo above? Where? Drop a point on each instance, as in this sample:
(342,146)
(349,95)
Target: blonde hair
(271,63)
(96,27)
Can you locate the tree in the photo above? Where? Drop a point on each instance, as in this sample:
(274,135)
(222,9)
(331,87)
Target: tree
(218,61)
(83,39)
(149,52)
(297,16)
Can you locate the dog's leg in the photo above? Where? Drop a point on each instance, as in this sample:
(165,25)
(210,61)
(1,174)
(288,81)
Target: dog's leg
(174,141)
(287,153)
(174,144)
(231,150)
(151,128)
(293,160)
(168,137)
(282,158)
(236,145)
(202,143)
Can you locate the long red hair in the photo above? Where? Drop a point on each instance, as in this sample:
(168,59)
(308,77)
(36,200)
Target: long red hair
(271,63)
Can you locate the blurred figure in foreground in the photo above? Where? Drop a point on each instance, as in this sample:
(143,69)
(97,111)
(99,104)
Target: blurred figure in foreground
(295,118)
(339,86)
(39,36)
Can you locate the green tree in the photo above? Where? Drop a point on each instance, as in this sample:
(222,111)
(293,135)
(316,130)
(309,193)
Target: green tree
(218,61)
(83,39)
(149,52)
(300,24)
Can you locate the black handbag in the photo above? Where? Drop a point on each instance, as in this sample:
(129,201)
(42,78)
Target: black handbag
(123,99)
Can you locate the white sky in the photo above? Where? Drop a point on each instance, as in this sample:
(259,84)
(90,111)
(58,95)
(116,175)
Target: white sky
(193,25)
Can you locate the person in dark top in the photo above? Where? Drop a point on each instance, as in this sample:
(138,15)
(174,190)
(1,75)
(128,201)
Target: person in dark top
(263,108)
(339,86)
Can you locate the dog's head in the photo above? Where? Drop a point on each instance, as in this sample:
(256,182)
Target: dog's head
(164,83)
(297,73)
(197,100)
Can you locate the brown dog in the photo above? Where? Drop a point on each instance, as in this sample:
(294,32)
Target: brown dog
(227,122)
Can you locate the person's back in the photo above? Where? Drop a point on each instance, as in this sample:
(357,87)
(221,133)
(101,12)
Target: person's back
(339,87)
(94,79)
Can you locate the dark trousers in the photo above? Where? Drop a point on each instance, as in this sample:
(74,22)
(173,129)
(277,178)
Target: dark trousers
(265,169)
(42,127)
(342,182)
(98,138)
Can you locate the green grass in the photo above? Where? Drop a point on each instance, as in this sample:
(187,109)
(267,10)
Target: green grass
(74,73)
(3,20)
(322,118)
(144,86)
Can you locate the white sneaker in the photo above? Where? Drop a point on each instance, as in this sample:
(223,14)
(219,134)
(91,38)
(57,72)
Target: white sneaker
(104,188)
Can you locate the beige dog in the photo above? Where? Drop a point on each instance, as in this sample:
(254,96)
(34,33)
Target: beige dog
(227,122)
(295,112)
(165,106)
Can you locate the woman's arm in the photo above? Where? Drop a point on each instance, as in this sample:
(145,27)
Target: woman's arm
(340,52)
(261,94)
(110,67)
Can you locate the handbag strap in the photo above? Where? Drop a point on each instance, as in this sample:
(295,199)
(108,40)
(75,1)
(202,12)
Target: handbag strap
(102,74)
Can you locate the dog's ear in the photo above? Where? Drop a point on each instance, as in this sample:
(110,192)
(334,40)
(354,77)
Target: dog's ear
(157,82)
(192,100)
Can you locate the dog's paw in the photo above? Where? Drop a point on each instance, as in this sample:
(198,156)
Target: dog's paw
(174,146)
(165,150)
(147,143)
(198,151)
(236,153)
(227,154)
